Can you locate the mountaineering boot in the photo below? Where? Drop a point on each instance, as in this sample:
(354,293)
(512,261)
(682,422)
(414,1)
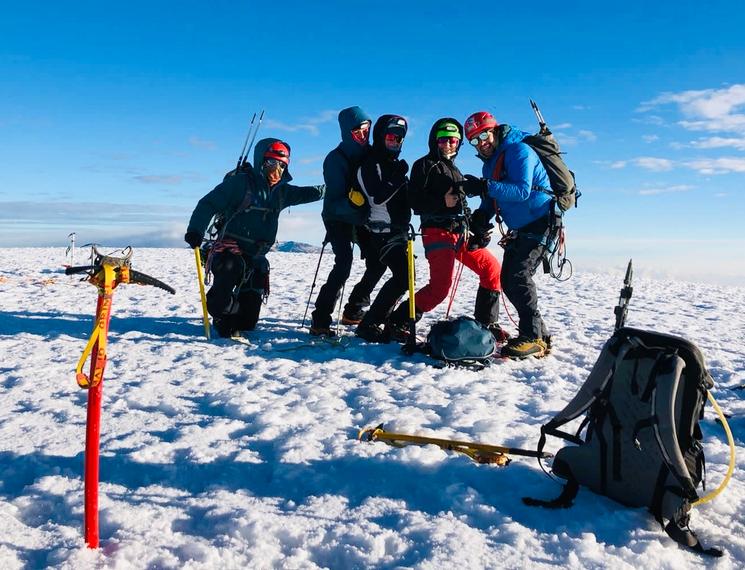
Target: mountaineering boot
(486,311)
(224,326)
(322,331)
(352,318)
(522,347)
(397,326)
(547,342)
(372,333)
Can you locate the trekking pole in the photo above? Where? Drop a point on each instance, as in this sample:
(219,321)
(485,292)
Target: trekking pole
(245,142)
(71,248)
(105,273)
(202,296)
(313,285)
(253,138)
(538,115)
(622,308)
(411,341)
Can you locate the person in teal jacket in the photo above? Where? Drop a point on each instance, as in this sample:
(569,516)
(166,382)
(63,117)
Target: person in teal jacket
(246,207)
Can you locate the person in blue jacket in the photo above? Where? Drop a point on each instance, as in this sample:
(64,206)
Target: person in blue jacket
(344,223)
(515,190)
(246,207)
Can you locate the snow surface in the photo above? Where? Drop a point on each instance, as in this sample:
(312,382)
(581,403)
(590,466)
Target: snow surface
(220,455)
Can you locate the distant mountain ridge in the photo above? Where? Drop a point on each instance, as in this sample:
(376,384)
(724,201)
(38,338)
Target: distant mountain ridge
(295,247)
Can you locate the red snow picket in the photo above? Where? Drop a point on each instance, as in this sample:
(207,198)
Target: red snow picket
(105,273)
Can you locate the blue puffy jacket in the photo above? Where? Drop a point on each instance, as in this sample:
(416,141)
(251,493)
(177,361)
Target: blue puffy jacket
(518,191)
(339,170)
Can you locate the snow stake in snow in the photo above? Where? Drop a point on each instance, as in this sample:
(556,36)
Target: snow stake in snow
(480,452)
(105,273)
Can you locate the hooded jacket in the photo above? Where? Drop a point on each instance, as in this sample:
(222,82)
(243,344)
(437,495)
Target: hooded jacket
(339,170)
(255,227)
(432,176)
(382,178)
(517,188)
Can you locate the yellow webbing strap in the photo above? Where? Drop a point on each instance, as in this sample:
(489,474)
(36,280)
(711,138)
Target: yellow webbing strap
(731,468)
(200,276)
(105,291)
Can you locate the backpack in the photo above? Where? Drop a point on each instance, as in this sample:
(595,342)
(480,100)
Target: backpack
(461,341)
(561,179)
(642,403)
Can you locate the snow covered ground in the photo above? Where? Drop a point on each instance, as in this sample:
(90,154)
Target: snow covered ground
(219,455)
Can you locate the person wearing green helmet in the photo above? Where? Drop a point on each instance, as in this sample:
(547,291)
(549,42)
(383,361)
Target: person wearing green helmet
(437,193)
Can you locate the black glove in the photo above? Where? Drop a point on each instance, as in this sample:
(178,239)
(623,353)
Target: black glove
(193,239)
(481,230)
(474,186)
(478,241)
(402,167)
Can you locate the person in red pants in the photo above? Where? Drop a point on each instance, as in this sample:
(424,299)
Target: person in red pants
(437,192)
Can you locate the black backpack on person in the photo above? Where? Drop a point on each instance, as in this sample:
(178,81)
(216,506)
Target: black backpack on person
(561,179)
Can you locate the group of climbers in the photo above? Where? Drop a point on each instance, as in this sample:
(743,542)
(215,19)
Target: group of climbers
(368,200)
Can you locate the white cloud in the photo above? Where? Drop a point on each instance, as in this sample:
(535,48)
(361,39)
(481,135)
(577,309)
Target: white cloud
(561,126)
(665,190)
(650,138)
(723,165)
(310,125)
(720,142)
(706,109)
(619,164)
(587,135)
(654,164)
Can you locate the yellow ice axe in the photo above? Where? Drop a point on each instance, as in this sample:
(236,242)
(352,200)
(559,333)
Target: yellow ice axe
(203,296)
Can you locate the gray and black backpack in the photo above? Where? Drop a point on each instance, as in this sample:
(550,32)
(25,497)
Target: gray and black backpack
(641,403)
(462,341)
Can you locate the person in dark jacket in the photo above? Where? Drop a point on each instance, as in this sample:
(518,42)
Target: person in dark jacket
(381,178)
(344,226)
(437,192)
(246,205)
(515,187)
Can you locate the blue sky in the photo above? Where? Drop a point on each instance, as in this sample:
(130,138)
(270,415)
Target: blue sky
(116,118)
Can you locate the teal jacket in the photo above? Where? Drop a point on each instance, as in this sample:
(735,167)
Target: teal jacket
(255,227)
(340,168)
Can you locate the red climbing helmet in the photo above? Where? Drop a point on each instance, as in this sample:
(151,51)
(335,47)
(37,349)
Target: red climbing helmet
(478,123)
(278,151)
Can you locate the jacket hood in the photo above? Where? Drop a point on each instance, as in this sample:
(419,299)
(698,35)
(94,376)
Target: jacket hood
(379,131)
(259,150)
(433,150)
(350,118)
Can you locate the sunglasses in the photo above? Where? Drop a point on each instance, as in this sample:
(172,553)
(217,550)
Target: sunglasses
(274,163)
(364,127)
(447,140)
(391,137)
(481,137)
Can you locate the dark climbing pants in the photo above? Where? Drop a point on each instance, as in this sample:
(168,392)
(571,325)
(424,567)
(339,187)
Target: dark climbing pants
(522,256)
(341,236)
(233,303)
(390,249)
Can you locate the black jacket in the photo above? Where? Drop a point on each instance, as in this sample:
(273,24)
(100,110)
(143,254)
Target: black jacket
(432,176)
(382,178)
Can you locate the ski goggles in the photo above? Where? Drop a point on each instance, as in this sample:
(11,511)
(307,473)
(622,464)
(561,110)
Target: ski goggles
(447,140)
(393,138)
(481,137)
(361,132)
(273,163)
